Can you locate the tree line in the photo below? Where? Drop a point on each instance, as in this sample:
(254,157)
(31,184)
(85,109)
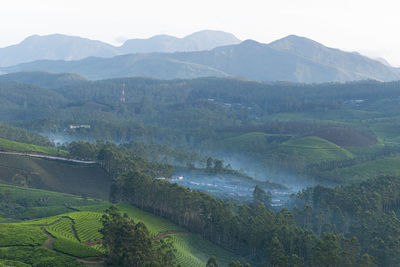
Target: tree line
(367,211)
(253,231)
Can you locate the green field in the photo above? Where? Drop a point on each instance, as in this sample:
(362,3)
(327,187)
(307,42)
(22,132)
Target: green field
(74,178)
(192,250)
(87,225)
(75,234)
(254,141)
(11,263)
(24,244)
(28,203)
(72,231)
(153,223)
(364,171)
(22,147)
(37,256)
(307,150)
(313,150)
(21,235)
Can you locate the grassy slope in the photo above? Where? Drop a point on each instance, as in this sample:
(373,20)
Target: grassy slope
(11,263)
(39,203)
(192,250)
(78,179)
(23,243)
(154,223)
(195,251)
(363,171)
(22,147)
(314,149)
(15,234)
(251,140)
(310,149)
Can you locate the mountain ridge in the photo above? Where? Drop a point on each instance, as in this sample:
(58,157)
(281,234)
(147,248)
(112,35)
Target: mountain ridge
(317,52)
(65,47)
(292,59)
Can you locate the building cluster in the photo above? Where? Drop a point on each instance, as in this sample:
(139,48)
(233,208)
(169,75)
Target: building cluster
(83,126)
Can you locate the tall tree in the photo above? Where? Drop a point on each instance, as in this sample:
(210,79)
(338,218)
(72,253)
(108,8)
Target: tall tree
(212,262)
(130,244)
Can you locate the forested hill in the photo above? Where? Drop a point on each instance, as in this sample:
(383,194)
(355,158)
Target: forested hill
(21,135)
(292,59)
(45,79)
(315,130)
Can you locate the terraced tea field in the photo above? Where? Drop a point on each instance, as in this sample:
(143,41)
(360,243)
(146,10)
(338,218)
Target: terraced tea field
(62,228)
(22,147)
(192,250)
(22,245)
(71,235)
(21,235)
(73,231)
(87,225)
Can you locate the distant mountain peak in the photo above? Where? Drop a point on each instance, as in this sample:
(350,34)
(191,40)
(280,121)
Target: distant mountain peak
(65,47)
(250,42)
(292,40)
(207,53)
(197,41)
(53,36)
(383,61)
(296,37)
(213,34)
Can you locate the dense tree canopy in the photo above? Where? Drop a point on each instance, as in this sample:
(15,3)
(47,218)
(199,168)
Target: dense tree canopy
(129,243)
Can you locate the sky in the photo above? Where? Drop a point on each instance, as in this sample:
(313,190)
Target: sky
(369,27)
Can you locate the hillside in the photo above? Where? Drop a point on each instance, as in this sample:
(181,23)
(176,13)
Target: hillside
(352,63)
(214,117)
(25,101)
(364,171)
(28,203)
(74,178)
(44,79)
(12,133)
(313,149)
(142,65)
(285,150)
(63,230)
(7,145)
(54,46)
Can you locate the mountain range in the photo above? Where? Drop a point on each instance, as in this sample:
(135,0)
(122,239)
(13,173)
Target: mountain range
(293,58)
(64,47)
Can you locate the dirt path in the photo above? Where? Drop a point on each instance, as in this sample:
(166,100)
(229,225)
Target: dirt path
(49,245)
(43,156)
(164,234)
(50,240)
(93,243)
(94,262)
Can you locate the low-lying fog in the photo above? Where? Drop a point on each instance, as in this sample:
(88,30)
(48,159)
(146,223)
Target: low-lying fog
(223,185)
(228,186)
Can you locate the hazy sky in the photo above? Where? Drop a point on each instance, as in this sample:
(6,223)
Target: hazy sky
(370,27)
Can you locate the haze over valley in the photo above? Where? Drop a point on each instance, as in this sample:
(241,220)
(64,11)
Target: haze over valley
(229,134)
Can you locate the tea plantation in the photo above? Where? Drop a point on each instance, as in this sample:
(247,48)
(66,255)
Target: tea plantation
(66,238)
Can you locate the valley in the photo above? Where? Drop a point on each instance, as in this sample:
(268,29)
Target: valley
(182,167)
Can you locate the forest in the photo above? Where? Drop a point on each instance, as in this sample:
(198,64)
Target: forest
(319,162)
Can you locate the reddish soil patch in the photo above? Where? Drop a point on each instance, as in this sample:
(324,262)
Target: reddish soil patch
(164,234)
